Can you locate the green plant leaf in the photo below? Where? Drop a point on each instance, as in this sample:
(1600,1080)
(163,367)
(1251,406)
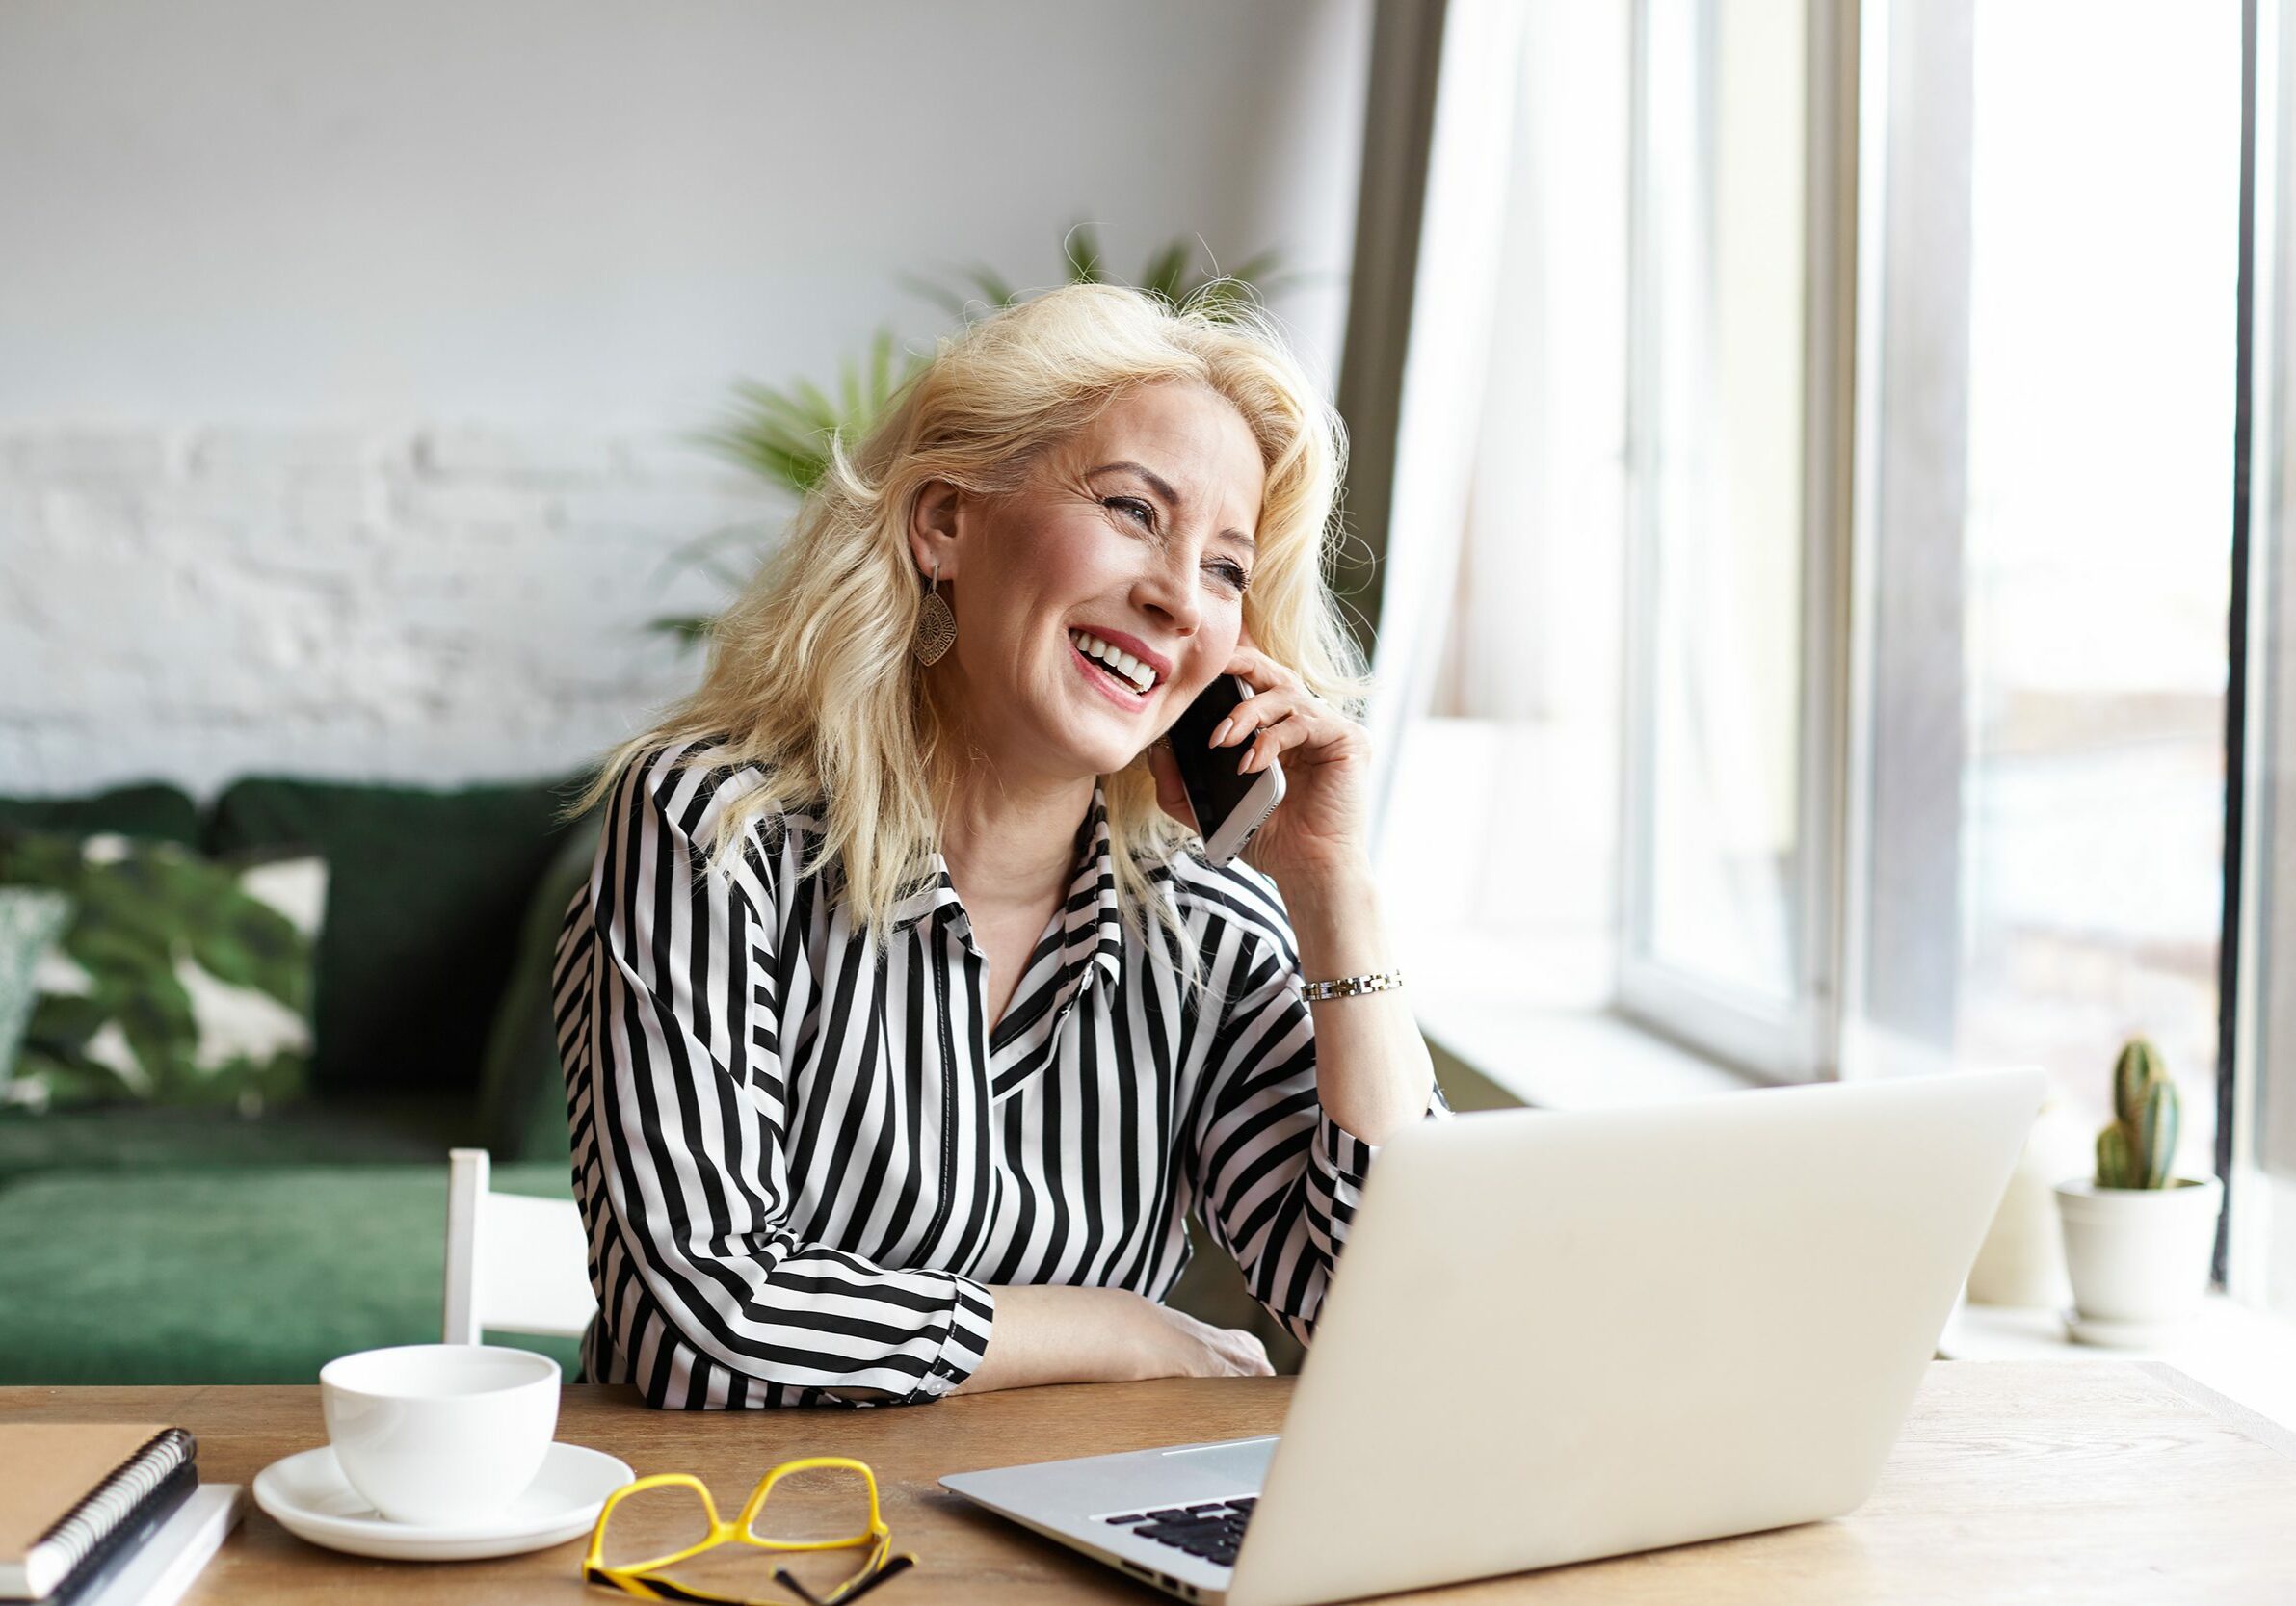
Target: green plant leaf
(1168,271)
(824,414)
(1081,249)
(688,627)
(1254,269)
(41,1078)
(62,1022)
(880,368)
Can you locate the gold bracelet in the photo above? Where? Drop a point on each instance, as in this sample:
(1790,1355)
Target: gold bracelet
(1353,987)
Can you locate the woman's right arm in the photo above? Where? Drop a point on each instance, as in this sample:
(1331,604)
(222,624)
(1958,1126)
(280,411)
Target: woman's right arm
(679,1106)
(1052,1333)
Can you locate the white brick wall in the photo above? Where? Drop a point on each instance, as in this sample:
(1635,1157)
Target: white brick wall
(450,604)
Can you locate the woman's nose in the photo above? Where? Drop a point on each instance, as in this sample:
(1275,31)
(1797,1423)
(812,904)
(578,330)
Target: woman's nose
(1169,589)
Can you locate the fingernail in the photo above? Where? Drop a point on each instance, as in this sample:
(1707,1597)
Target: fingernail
(1220,735)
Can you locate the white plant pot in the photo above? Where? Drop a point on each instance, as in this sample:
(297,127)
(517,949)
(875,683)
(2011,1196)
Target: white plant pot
(2022,1261)
(2138,1257)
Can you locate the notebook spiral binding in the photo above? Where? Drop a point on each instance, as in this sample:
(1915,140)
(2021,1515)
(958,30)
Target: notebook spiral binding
(80,1530)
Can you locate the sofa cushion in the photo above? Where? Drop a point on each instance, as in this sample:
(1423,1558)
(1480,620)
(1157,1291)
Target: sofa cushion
(141,1137)
(522,1108)
(31,919)
(150,809)
(229,1276)
(427,892)
(180,980)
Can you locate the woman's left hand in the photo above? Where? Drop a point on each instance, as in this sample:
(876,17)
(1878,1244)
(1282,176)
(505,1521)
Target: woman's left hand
(1321,824)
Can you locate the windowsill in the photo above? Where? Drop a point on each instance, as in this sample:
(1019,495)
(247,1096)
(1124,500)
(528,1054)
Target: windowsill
(2242,1354)
(1567,1058)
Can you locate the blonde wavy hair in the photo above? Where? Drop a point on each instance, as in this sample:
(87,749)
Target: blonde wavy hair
(811,676)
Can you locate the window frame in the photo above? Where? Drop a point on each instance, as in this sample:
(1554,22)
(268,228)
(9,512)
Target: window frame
(2263,637)
(1796,1041)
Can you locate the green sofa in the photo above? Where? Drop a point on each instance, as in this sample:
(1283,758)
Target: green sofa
(143,1245)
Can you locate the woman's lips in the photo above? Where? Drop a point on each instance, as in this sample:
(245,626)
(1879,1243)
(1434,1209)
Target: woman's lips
(1130,702)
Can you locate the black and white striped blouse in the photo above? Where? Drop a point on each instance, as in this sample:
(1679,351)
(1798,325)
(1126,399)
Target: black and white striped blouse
(801,1160)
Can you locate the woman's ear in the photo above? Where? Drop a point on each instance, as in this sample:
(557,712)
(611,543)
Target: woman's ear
(934,524)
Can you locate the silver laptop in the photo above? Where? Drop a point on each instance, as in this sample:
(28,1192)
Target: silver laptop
(1559,1335)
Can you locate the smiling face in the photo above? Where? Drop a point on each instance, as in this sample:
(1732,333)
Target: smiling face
(1136,531)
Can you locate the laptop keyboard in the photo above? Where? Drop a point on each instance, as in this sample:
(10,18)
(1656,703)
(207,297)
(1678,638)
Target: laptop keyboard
(1213,1530)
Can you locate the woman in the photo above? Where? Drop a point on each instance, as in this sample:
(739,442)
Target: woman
(903,1020)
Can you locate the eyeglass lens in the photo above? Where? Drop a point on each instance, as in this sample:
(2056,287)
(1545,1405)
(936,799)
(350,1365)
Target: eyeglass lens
(653,1522)
(813,1505)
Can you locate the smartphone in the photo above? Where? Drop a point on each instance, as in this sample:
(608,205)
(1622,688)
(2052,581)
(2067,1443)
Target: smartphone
(1228,807)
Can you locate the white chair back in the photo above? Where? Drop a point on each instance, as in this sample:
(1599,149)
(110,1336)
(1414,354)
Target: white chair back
(513,1264)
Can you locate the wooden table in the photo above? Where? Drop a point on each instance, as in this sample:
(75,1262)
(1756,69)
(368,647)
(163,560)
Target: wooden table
(2012,1480)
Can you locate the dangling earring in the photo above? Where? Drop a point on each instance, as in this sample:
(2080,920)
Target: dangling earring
(936,623)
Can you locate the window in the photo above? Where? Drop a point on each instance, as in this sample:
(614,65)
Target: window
(1837,646)
(2046,551)
(1728,832)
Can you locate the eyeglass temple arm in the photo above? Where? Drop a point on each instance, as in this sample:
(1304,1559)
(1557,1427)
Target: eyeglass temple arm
(788,1580)
(846,1593)
(893,1564)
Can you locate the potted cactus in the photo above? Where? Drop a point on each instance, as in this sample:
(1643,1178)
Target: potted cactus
(2137,1238)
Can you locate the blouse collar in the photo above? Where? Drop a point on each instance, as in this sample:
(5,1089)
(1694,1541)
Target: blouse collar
(1092,931)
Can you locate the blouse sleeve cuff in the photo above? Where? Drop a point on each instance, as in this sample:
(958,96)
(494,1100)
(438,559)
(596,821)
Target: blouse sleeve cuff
(972,1317)
(1347,1156)
(1340,1163)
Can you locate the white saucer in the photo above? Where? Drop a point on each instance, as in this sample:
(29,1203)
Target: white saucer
(307,1495)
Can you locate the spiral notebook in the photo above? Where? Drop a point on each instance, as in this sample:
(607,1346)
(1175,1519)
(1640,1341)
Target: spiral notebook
(158,1572)
(71,1491)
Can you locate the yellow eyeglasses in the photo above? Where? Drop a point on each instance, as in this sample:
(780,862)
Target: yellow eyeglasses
(676,1507)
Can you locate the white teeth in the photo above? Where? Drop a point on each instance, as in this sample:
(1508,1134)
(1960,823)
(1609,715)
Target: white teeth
(1123,662)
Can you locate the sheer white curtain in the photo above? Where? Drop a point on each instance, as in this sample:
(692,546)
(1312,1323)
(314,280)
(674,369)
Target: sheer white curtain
(1445,366)
(1499,652)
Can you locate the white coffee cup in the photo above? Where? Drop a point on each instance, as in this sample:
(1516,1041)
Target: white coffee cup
(440,1434)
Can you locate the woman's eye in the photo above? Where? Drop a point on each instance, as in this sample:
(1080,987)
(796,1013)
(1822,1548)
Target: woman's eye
(1147,515)
(1235,576)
